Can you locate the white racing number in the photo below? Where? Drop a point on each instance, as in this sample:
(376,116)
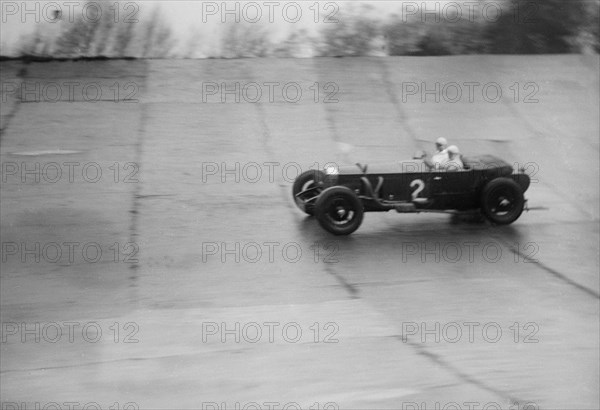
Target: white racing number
(420,186)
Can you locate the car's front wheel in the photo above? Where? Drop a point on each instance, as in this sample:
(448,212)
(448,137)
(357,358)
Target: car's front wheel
(502,201)
(306,189)
(339,210)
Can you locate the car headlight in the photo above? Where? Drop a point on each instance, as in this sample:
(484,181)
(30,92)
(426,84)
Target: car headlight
(331,170)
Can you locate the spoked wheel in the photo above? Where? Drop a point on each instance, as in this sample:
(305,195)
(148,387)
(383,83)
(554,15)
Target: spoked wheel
(339,210)
(502,201)
(305,190)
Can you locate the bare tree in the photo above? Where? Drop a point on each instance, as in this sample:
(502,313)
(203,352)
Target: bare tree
(157,40)
(245,40)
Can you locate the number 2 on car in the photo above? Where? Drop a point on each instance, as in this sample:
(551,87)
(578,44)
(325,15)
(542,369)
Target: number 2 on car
(420,187)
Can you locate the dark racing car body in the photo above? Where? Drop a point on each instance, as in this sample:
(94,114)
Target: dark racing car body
(338,196)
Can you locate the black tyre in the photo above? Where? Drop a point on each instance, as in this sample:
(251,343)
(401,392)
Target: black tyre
(306,189)
(502,201)
(339,210)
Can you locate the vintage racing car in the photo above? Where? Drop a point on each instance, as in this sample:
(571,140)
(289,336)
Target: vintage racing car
(339,196)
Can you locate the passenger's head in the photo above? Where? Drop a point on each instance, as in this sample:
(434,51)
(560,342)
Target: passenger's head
(441,143)
(453,151)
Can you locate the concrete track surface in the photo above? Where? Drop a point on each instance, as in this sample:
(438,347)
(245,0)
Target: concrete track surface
(174,279)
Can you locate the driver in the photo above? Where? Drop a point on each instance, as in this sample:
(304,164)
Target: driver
(441,154)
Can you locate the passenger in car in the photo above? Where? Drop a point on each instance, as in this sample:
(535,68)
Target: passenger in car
(454,162)
(440,156)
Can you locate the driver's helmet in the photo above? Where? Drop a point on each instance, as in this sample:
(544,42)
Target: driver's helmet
(441,142)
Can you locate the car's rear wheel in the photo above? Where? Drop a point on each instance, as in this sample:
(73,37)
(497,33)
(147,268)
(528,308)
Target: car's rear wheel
(339,210)
(502,201)
(306,189)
